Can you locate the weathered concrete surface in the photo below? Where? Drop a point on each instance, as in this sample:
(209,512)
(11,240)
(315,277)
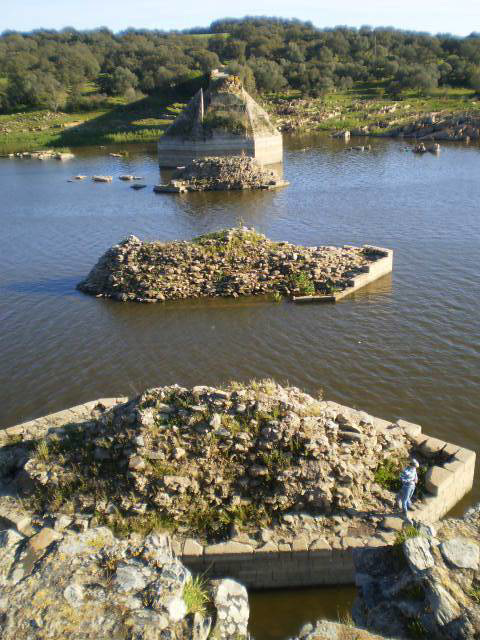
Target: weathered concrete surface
(222,121)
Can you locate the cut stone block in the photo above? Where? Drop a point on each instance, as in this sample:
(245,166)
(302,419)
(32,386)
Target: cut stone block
(268,547)
(456,466)
(226,548)
(438,480)
(320,544)
(392,523)
(431,446)
(410,428)
(353,543)
(466,455)
(192,548)
(300,543)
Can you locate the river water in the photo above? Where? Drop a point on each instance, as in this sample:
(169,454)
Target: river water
(407,346)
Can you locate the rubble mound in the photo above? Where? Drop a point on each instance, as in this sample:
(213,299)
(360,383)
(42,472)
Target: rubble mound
(230,262)
(59,584)
(425,587)
(224,174)
(200,461)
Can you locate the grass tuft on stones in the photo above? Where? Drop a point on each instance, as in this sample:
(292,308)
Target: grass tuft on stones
(196,595)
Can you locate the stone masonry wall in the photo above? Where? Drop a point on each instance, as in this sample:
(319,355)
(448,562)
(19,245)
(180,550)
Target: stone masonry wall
(381,267)
(308,560)
(266,150)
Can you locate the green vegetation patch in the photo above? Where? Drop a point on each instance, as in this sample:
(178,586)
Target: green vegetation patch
(410,531)
(196,595)
(304,283)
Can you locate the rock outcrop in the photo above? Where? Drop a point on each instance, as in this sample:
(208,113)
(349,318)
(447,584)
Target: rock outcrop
(429,586)
(328,630)
(64,584)
(235,262)
(221,174)
(440,126)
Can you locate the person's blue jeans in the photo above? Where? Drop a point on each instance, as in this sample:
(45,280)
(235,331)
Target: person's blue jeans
(405,496)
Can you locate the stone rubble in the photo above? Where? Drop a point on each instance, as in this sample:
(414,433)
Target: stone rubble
(440,126)
(222,174)
(45,154)
(427,587)
(261,466)
(328,630)
(309,113)
(232,262)
(92,585)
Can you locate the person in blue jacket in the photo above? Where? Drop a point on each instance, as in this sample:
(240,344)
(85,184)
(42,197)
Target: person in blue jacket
(409,479)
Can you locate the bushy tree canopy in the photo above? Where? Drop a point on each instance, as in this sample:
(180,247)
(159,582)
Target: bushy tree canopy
(48,67)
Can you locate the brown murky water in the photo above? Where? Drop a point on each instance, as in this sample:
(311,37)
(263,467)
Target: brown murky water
(408,346)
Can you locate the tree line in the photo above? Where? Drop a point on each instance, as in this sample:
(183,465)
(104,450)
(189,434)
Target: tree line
(78,70)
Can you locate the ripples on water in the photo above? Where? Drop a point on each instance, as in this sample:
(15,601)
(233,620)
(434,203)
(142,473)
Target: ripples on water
(407,346)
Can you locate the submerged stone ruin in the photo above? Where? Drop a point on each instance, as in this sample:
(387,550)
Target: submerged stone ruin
(224,120)
(221,174)
(240,476)
(229,263)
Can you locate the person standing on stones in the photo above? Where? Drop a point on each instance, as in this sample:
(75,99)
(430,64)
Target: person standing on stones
(409,479)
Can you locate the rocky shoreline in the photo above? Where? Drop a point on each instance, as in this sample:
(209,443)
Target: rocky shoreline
(438,126)
(233,173)
(228,263)
(391,120)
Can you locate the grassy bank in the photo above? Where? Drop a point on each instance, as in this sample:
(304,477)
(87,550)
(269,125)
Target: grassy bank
(140,121)
(145,120)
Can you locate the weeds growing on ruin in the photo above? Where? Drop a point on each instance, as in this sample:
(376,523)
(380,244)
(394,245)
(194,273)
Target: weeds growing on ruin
(195,595)
(122,526)
(416,628)
(303,282)
(408,532)
(474,593)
